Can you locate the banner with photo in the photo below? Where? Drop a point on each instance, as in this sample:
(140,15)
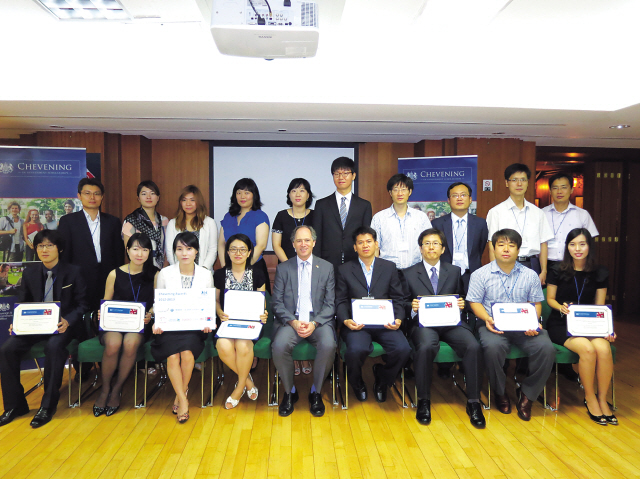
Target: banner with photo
(37,187)
(432,176)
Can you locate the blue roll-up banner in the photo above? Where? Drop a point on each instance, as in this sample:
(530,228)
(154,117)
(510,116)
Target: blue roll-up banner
(37,187)
(432,176)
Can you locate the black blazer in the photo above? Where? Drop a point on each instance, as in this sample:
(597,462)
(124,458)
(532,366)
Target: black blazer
(351,284)
(68,288)
(419,284)
(332,239)
(477,236)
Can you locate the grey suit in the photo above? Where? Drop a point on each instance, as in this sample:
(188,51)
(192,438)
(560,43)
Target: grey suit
(284,305)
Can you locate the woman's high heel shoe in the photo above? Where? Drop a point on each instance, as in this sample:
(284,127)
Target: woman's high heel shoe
(111,410)
(601,420)
(613,420)
(98,411)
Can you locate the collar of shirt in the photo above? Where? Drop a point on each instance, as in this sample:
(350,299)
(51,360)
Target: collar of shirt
(300,261)
(496,269)
(428,267)
(367,274)
(391,212)
(570,207)
(54,270)
(511,204)
(455,218)
(89,220)
(347,196)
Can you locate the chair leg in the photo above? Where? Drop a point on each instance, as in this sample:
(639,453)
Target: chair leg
(272,389)
(613,390)
(79,385)
(345,405)
(333,383)
(203,365)
(488,406)
(135,385)
(40,383)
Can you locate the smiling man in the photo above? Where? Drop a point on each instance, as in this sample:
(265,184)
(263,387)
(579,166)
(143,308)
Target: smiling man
(11,226)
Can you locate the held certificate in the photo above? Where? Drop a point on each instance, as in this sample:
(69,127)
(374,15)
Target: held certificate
(514,316)
(239,329)
(36,318)
(185,309)
(589,320)
(122,316)
(245,305)
(437,311)
(373,313)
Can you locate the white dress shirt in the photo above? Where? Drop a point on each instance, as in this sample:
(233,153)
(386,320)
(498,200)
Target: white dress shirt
(94,229)
(308,273)
(562,223)
(428,267)
(460,243)
(347,203)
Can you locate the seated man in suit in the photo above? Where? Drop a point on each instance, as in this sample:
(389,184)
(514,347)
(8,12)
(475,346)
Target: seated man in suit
(303,307)
(505,280)
(50,281)
(376,278)
(429,277)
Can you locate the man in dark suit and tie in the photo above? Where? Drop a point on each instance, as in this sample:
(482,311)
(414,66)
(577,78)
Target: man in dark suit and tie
(52,280)
(370,277)
(337,216)
(303,306)
(430,277)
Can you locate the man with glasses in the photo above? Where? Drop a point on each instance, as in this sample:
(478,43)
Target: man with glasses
(429,277)
(337,216)
(398,226)
(526,218)
(303,308)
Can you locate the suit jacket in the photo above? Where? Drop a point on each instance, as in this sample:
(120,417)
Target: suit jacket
(68,288)
(419,284)
(79,250)
(477,236)
(332,239)
(351,284)
(285,292)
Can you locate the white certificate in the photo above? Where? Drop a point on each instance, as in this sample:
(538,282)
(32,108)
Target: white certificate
(36,318)
(589,320)
(122,316)
(247,305)
(185,309)
(374,313)
(239,330)
(514,316)
(437,311)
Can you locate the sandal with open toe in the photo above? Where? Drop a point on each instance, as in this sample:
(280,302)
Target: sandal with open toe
(234,402)
(253,392)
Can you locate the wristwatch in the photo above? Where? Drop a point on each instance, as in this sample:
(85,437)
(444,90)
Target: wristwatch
(315,324)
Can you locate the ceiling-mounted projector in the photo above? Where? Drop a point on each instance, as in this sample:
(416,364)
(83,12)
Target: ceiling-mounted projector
(265,29)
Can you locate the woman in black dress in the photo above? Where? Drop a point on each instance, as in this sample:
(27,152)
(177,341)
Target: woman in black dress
(180,348)
(299,198)
(238,275)
(578,280)
(131,282)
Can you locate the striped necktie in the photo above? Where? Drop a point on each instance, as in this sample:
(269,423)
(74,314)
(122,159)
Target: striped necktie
(343,211)
(434,280)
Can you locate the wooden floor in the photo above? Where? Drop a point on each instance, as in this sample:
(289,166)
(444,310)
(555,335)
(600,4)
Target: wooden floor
(369,440)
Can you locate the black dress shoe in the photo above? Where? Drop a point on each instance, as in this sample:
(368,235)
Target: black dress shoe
(600,420)
(423,414)
(613,420)
(502,403)
(43,416)
(379,388)
(98,411)
(316,406)
(286,406)
(523,405)
(474,410)
(360,392)
(11,414)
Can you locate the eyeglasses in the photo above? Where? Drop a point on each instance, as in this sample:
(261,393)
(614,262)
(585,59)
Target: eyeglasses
(234,250)
(399,190)
(513,181)
(89,194)
(559,188)
(461,196)
(435,244)
(342,174)
(45,246)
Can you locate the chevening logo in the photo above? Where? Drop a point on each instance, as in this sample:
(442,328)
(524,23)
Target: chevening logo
(413,175)
(6,168)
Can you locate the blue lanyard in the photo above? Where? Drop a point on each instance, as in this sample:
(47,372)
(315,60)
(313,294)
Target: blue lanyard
(553,223)
(523,223)
(458,243)
(510,292)
(295,219)
(135,296)
(579,293)
(94,229)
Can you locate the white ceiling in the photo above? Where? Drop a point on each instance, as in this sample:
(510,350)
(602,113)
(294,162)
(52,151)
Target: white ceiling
(557,72)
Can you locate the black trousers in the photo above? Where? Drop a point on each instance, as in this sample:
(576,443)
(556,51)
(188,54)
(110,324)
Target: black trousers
(359,346)
(462,341)
(11,353)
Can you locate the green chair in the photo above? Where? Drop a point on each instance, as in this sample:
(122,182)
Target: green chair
(262,350)
(514,353)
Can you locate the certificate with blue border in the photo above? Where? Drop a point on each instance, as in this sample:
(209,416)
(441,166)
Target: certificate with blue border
(590,320)
(373,313)
(439,310)
(35,318)
(122,316)
(515,317)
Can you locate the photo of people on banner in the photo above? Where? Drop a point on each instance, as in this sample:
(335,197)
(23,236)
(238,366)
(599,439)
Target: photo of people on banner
(432,176)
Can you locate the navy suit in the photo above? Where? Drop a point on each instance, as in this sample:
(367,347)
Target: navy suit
(385,284)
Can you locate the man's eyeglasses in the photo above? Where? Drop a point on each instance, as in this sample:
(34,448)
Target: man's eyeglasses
(45,246)
(559,188)
(513,181)
(435,244)
(89,194)
(461,195)
(342,174)
(400,190)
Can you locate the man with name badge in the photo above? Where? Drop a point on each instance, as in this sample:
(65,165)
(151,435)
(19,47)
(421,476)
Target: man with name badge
(398,226)
(564,216)
(11,226)
(304,307)
(369,277)
(526,218)
(53,280)
(430,277)
(505,280)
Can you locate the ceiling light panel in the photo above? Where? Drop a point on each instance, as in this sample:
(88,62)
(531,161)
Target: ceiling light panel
(85,9)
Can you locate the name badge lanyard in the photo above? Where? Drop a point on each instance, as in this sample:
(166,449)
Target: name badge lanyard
(54,282)
(295,222)
(135,296)
(458,243)
(553,223)
(401,222)
(523,223)
(510,291)
(579,293)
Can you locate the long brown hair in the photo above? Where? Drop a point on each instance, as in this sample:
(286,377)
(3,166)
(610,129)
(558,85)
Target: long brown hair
(567,270)
(197,222)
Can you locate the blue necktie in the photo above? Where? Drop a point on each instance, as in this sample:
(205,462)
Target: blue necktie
(434,280)
(343,211)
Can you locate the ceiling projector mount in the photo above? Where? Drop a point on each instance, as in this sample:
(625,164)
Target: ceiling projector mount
(265,29)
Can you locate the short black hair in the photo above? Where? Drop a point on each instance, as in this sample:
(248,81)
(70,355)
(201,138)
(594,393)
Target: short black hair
(559,175)
(510,235)
(459,183)
(45,211)
(432,231)
(52,235)
(244,184)
(343,163)
(91,182)
(148,268)
(68,202)
(187,238)
(148,184)
(399,178)
(247,242)
(365,230)
(297,183)
(517,168)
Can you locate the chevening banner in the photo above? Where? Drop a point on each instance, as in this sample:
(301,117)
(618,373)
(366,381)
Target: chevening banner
(432,176)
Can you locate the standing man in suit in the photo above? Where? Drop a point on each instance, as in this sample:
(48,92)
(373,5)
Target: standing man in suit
(337,216)
(376,278)
(303,306)
(53,280)
(430,277)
